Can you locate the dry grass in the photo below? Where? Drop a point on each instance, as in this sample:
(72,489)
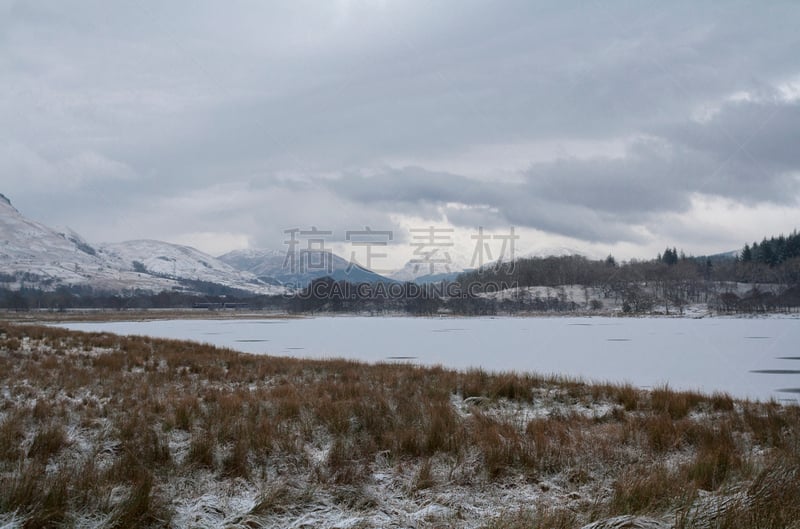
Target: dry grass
(106,425)
(542,517)
(104,315)
(677,404)
(650,488)
(47,442)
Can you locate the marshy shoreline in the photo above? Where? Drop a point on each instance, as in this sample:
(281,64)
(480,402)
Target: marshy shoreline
(100,430)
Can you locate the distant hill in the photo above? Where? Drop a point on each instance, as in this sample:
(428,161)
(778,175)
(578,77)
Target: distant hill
(725,256)
(173,261)
(418,271)
(272,266)
(33,255)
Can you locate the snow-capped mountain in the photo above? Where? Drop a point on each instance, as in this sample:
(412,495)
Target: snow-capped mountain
(173,261)
(418,271)
(37,256)
(298,270)
(34,254)
(262,263)
(551,251)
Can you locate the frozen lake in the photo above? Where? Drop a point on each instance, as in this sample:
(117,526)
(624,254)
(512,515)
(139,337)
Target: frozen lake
(757,358)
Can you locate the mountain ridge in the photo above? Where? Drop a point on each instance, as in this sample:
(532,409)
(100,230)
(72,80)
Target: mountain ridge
(34,255)
(299,269)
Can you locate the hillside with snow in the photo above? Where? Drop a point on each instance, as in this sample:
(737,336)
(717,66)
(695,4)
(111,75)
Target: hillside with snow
(438,268)
(176,262)
(298,270)
(33,255)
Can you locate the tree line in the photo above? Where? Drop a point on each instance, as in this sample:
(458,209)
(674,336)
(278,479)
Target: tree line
(773,251)
(671,281)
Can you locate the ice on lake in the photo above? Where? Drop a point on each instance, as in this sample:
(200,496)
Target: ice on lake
(752,358)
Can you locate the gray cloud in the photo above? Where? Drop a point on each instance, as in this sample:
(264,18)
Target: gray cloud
(124,118)
(600,199)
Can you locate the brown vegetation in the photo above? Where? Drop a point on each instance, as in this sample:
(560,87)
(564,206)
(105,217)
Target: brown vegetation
(104,426)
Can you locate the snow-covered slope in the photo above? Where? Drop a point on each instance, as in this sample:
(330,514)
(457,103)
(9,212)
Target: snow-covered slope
(420,272)
(551,251)
(263,263)
(173,261)
(272,266)
(37,256)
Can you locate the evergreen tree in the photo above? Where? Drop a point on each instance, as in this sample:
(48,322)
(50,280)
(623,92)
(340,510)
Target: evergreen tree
(773,251)
(767,255)
(756,251)
(670,256)
(747,254)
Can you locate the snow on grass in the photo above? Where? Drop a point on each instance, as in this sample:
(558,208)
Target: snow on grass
(101,431)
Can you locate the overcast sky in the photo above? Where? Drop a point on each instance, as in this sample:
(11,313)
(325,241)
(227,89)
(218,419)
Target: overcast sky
(600,127)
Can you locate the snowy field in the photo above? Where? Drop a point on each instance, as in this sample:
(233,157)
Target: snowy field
(755,358)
